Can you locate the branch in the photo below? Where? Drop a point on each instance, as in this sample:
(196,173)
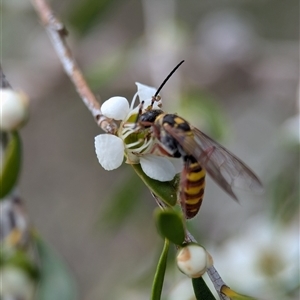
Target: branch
(211,271)
(58,33)
(3,81)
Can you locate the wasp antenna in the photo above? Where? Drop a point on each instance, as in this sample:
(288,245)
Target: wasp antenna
(167,78)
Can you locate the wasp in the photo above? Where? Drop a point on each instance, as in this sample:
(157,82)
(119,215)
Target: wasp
(200,154)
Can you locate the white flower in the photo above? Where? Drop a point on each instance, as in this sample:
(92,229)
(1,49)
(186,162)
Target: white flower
(135,145)
(261,260)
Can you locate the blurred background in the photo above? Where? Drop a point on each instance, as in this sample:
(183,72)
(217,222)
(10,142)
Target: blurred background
(239,84)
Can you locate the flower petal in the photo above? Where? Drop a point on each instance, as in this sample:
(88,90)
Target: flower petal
(157,167)
(177,163)
(116,108)
(145,93)
(110,151)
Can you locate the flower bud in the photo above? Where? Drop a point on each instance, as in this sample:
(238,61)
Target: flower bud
(13,109)
(193,260)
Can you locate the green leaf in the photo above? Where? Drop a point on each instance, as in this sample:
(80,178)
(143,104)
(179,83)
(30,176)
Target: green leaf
(160,273)
(55,280)
(11,161)
(202,292)
(234,295)
(166,191)
(170,225)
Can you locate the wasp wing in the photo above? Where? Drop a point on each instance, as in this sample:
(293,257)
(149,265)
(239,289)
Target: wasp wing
(224,167)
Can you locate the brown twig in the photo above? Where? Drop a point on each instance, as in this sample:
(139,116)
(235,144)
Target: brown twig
(58,33)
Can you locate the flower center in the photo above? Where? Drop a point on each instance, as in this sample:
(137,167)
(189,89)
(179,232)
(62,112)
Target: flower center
(136,140)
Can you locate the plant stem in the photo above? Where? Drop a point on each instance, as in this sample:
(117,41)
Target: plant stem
(160,273)
(57,34)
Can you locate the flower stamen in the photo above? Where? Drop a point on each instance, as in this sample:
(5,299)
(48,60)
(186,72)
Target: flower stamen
(127,133)
(132,139)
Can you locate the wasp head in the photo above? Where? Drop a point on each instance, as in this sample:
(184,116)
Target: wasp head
(148,118)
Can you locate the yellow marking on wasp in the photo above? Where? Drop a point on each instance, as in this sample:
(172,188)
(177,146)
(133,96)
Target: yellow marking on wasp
(189,134)
(195,176)
(193,190)
(178,120)
(193,201)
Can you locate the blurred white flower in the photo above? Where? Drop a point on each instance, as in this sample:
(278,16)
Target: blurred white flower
(135,145)
(183,291)
(290,130)
(13,109)
(261,261)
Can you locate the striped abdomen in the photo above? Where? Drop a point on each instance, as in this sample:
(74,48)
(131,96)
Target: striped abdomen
(192,187)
